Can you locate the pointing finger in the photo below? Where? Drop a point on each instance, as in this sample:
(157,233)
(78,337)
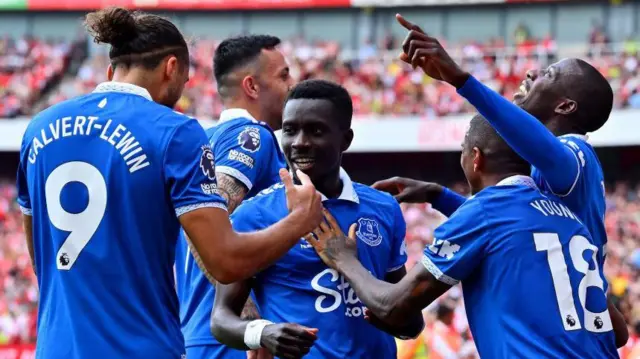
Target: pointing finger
(304,179)
(286,179)
(352,231)
(406,23)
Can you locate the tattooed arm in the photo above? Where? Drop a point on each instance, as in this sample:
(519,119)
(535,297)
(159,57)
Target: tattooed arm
(232,190)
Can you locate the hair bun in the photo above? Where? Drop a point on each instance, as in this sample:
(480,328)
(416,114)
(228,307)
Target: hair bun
(115,26)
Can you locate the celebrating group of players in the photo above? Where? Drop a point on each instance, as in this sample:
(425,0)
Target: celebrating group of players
(117,188)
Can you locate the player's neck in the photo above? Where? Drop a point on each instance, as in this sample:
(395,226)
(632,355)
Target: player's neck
(253,109)
(135,77)
(560,127)
(494,179)
(330,185)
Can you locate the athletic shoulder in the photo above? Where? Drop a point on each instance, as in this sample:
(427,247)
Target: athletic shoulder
(272,193)
(579,144)
(495,201)
(251,209)
(366,194)
(172,126)
(241,130)
(56,111)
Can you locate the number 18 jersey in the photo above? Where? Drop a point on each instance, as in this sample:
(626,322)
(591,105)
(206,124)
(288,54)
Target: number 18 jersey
(105,177)
(532,283)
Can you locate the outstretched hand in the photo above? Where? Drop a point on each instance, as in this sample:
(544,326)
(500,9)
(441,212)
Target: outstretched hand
(426,52)
(407,190)
(330,242)
(288,340)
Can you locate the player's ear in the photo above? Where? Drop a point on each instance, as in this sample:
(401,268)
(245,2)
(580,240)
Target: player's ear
(171,67)
(250,87)
(478,160)
(347,138)
(110,72)
(566,107)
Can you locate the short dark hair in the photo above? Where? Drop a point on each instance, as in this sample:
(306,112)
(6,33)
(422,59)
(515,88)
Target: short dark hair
(594,96)
(326,90)
(136,38)
(500,158)
(236,52)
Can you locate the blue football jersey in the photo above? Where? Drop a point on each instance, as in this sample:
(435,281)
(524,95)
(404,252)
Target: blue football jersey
(248,151)
(105,177)
(300,288)
(532,284)
(586,197)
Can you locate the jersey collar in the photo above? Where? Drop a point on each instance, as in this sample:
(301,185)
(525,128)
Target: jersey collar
(348,191)
(233,113)
(582,137)
(122,87)
(518,180)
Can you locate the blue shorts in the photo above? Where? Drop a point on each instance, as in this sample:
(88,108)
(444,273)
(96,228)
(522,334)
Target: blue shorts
(214,352)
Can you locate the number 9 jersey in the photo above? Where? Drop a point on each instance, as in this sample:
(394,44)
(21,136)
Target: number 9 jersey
(105,177)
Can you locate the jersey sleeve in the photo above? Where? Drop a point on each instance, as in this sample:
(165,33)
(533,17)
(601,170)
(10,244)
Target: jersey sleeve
(448,202)
(189,170)
(24,199)
(398,245)
(458,245)
(582,155)
(248,217)
(242,152)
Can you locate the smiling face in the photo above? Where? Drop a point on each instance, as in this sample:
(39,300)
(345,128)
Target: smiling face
(544,92)
(312,138)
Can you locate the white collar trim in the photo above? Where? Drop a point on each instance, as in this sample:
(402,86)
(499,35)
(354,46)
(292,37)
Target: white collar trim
(113,86)
(582,137)
(233,113)
(518,180)
(348,191)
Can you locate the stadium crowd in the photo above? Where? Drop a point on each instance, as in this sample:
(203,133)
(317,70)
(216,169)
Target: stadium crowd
(378,82)
(27,66)
(446,328)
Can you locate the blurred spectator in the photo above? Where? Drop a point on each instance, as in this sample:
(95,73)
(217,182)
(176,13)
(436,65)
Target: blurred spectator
(27,66)
(378,82)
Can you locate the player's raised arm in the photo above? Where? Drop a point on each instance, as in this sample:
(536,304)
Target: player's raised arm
(229,256)
(407,190)
(522,131)
(284,340)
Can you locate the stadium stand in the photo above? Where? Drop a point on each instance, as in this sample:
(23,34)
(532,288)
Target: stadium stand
(378,82)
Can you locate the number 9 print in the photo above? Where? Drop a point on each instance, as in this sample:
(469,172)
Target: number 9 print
(81,226)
